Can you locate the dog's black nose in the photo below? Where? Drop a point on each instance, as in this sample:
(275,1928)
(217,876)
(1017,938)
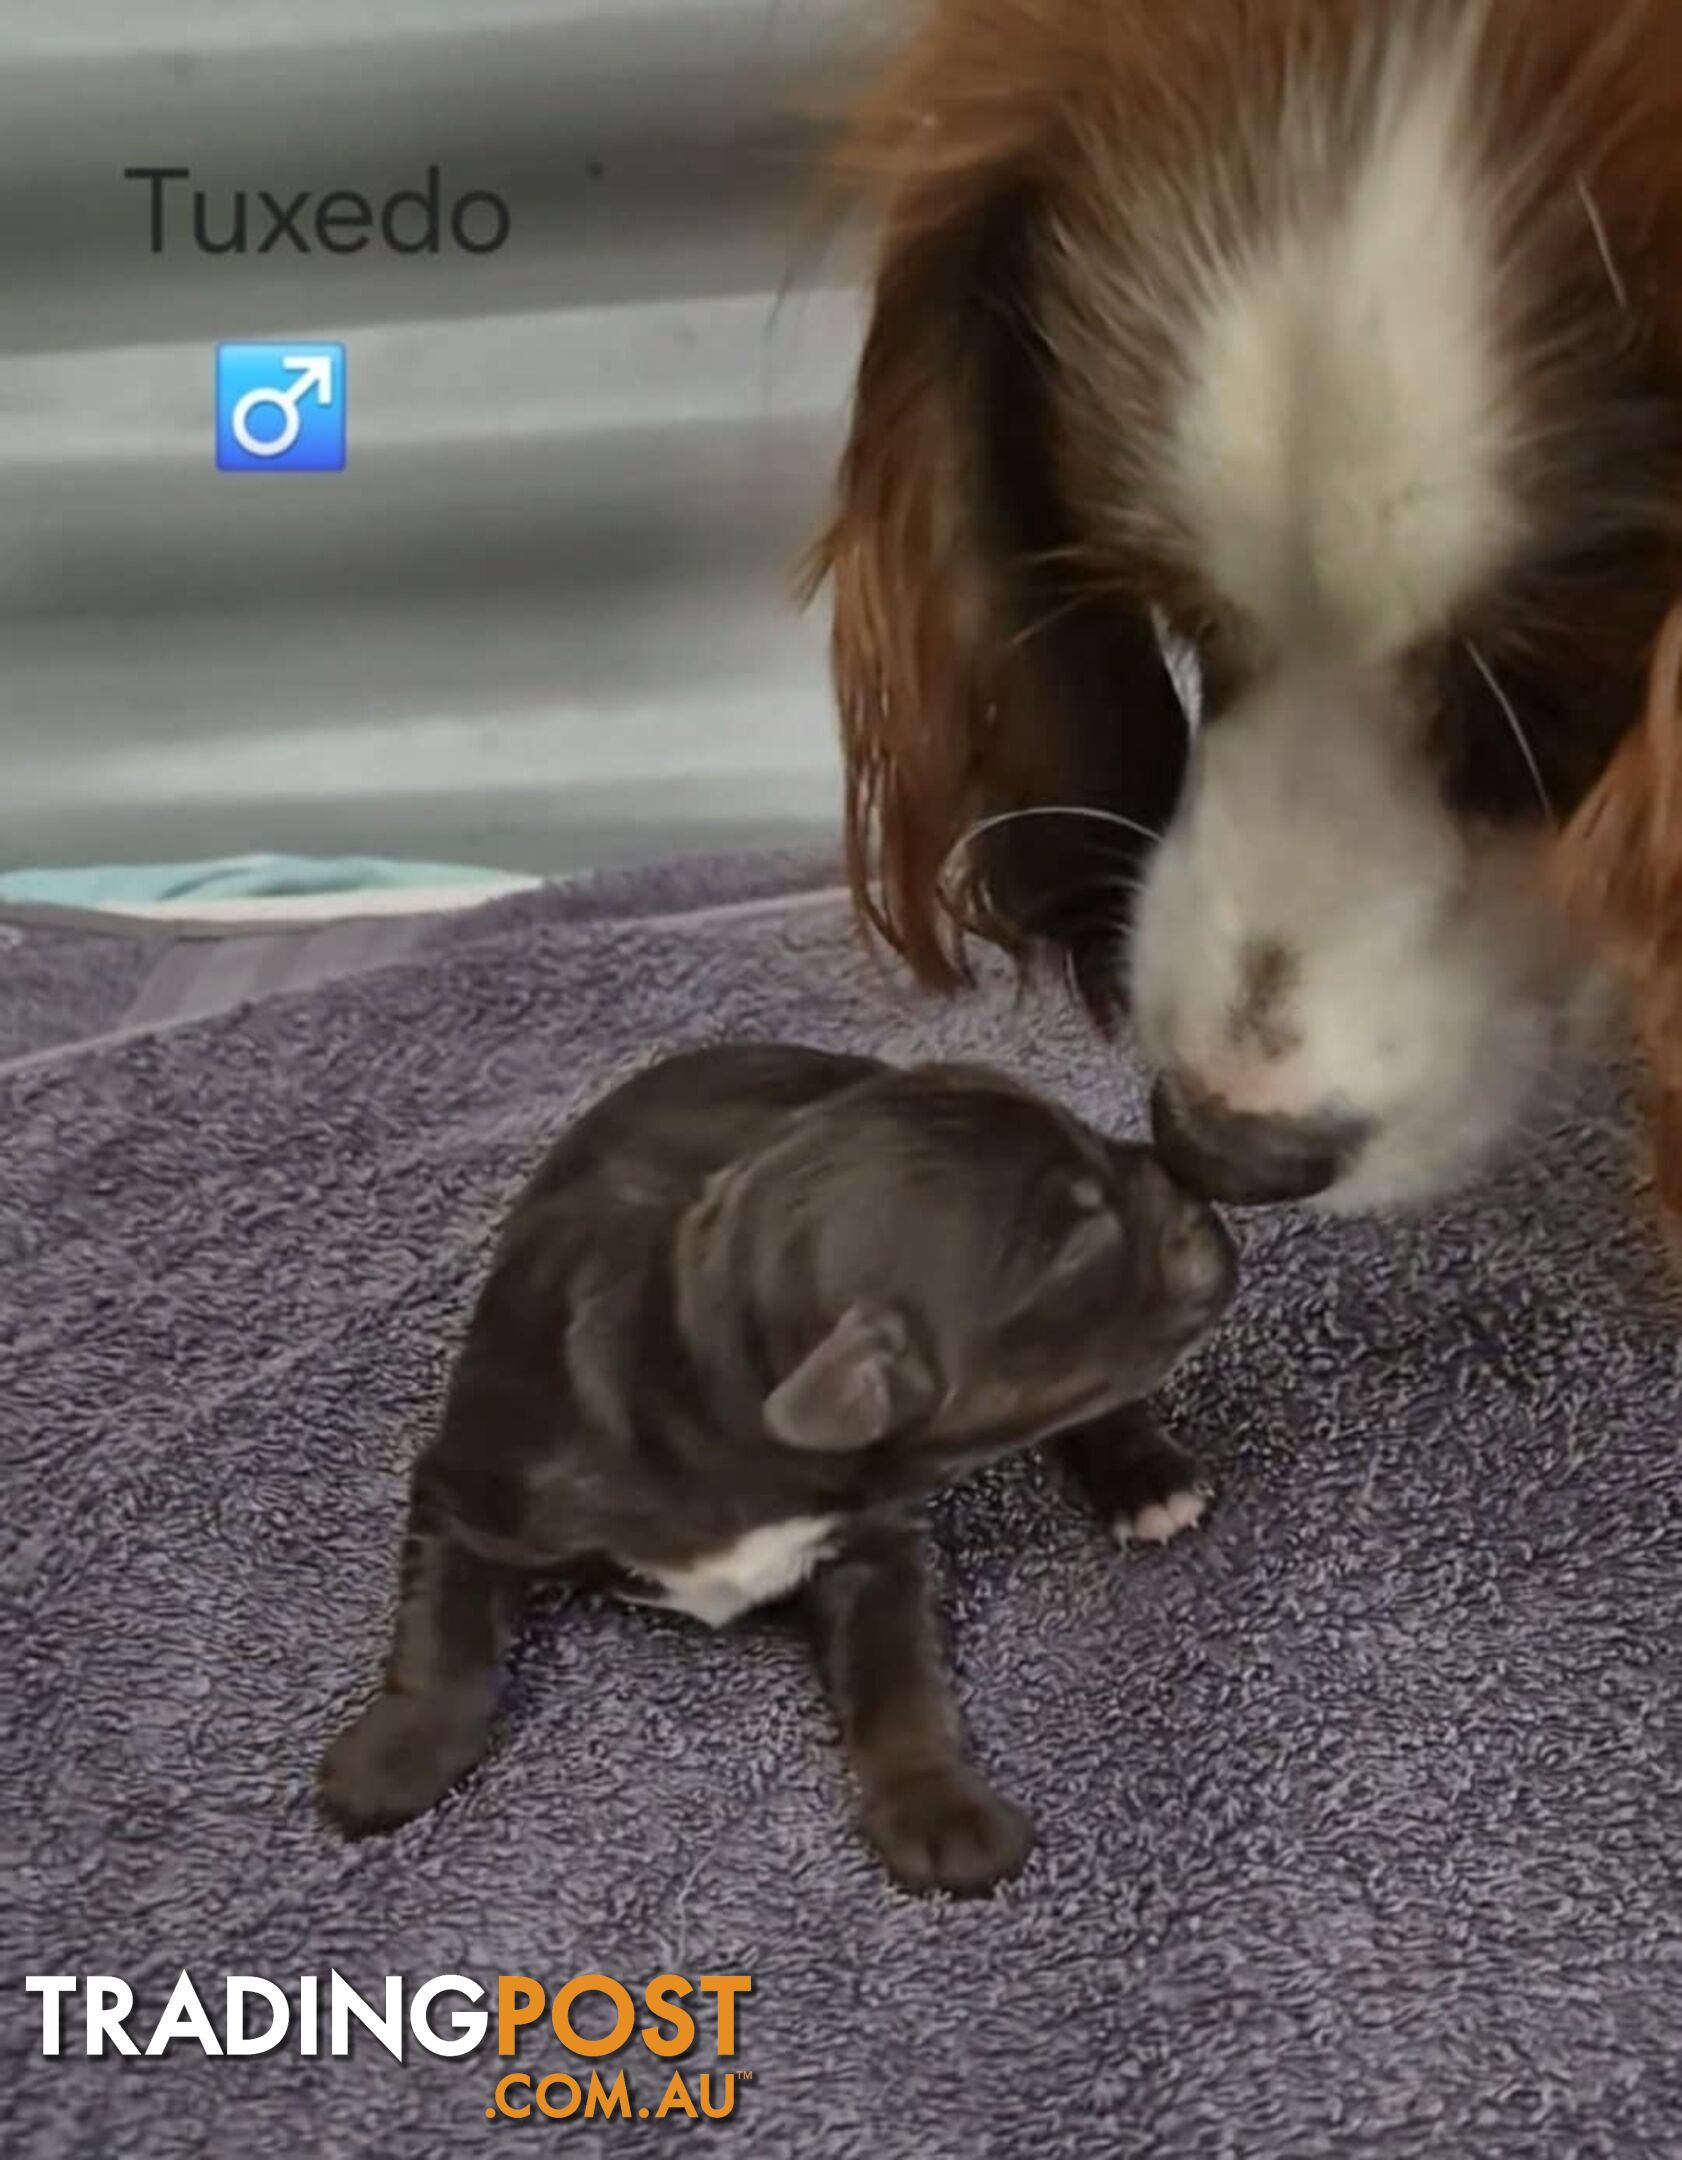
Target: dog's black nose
(1243,1159)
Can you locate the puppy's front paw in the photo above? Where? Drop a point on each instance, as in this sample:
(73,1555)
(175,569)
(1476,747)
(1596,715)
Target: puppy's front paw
(1158,1517)
(398,1759)
(947,1830)
(1160,1492)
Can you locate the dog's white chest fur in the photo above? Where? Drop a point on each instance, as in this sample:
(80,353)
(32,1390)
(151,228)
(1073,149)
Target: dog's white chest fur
(754,1569)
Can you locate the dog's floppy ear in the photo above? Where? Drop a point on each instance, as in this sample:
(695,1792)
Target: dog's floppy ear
(1621,864)
(865,1380)
(975,675)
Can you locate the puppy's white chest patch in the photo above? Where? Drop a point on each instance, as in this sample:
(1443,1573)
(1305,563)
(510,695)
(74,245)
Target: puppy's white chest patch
(754,1569)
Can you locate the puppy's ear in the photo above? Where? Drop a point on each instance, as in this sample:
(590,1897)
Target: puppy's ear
(865,1380)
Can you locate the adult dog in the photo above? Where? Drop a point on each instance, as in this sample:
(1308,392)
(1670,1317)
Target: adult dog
(1336,344)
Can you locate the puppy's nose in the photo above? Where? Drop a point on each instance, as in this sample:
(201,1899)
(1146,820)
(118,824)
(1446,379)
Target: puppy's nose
(1243,1159)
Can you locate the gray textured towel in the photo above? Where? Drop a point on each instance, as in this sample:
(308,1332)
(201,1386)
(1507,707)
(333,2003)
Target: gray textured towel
(1360,1812)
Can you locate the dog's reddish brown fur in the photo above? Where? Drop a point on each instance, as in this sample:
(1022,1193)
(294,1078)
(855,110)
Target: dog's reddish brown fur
(941,715)
(1620,862)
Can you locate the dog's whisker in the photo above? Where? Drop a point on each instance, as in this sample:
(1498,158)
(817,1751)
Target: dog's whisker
(1602,240)
(1083,909)
(1050,619)
(1044,810)
(1111,820)
(1492,683)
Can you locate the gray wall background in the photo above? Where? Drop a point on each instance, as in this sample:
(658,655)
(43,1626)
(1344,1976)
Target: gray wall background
(542,619)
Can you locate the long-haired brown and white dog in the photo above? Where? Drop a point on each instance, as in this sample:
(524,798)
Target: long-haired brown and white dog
(1337,345)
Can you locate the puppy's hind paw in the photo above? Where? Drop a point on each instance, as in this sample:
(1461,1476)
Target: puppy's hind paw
(947,1830)
(1164,1517)
(399,1758)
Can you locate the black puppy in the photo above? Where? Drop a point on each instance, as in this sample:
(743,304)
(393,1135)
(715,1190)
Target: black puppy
(755,1303)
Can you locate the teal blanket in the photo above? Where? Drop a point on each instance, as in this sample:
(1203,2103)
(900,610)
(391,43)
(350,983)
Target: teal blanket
(234,877)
